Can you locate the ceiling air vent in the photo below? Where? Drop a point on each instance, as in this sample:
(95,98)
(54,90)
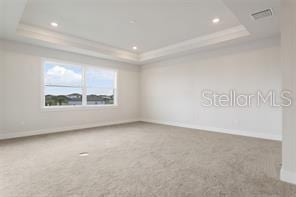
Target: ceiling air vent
(262,14)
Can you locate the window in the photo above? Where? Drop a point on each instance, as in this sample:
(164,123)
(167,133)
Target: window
(78,85)
(100,86)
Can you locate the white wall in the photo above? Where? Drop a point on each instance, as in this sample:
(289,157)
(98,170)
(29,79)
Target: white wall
(23,114)
(1,89)
(288,51)
(171,90)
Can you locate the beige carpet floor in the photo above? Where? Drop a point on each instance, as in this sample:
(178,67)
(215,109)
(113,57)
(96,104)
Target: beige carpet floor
(141,160)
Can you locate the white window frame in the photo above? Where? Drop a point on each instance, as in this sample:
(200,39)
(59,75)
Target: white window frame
(84,105)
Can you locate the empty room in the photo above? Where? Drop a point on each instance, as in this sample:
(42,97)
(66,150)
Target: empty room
(147,98)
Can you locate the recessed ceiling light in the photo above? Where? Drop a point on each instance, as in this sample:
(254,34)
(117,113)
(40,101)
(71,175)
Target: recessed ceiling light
(135,48)
(54,24)
(132,22)
(216,20)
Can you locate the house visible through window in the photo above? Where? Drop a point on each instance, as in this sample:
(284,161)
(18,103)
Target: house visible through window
(78,85)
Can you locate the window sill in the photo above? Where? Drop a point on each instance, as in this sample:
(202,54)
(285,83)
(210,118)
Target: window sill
(78,108)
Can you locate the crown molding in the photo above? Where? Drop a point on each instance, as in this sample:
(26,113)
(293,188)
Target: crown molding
(65,42)
(75,44)
(199,42)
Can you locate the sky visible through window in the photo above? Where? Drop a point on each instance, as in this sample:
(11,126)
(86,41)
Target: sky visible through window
(65,80)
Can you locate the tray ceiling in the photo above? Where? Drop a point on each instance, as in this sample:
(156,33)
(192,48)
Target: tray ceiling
(111,28)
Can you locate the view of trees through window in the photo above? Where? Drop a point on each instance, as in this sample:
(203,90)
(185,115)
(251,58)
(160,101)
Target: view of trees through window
(71,85)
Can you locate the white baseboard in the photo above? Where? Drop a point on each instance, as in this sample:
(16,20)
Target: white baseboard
(218,130)
(10,135)
(289,177)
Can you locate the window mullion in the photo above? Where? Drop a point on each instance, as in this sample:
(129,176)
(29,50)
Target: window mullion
(84,90)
